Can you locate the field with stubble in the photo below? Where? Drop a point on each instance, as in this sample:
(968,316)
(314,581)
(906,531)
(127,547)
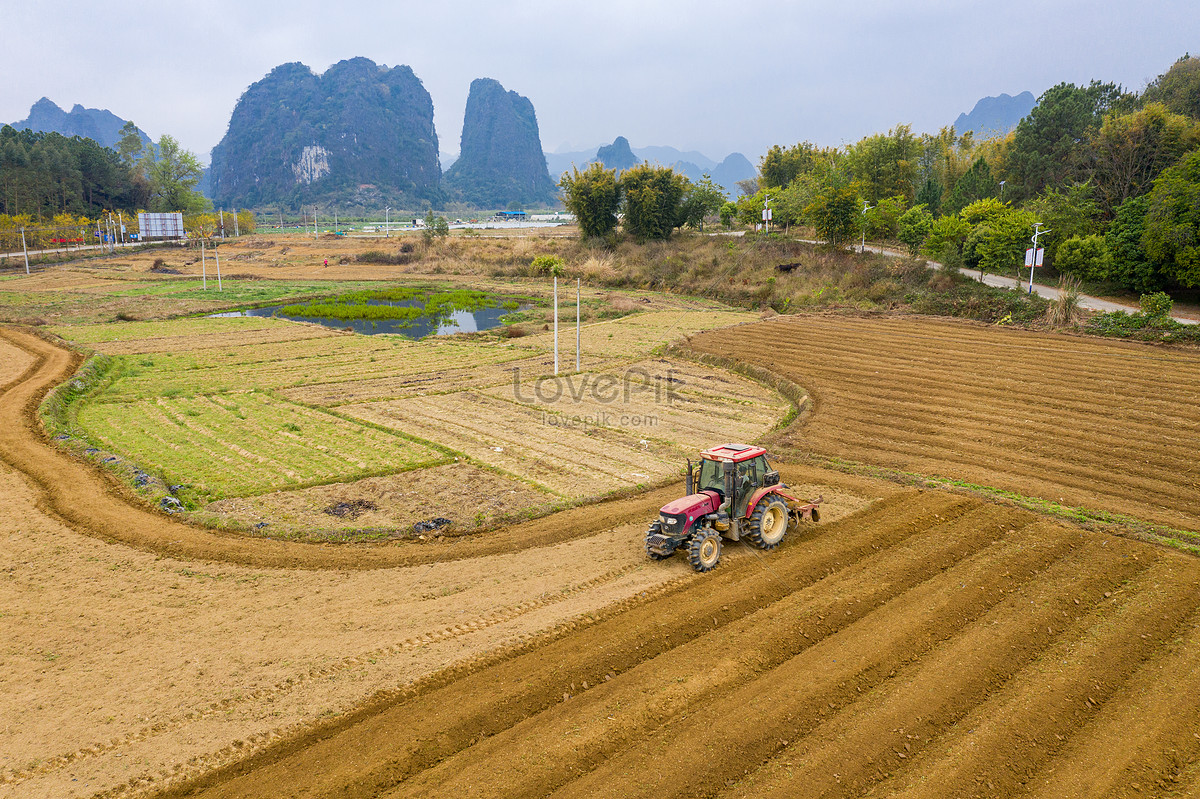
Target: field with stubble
(983,622)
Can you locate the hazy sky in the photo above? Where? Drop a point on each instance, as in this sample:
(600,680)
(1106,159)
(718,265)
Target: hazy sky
(714,77)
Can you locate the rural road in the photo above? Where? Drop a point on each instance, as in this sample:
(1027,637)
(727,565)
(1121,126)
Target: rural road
(1049,292)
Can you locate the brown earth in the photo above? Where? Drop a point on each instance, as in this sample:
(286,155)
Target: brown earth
(1092,423)
(916,642)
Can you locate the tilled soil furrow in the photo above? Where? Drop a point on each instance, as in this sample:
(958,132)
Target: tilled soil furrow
(1139,737)
(965,442)
(1123,477)
(998,374)
(672,685)
(1172,425)
(711,748)
(1011,738)
(401,738)
(887,727)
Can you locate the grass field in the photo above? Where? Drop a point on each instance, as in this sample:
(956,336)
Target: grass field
(237,444)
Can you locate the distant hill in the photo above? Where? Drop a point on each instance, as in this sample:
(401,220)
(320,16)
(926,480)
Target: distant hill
(501,159)
(617,155)
(361,135)
(995,116)
(98,124)
(694,165)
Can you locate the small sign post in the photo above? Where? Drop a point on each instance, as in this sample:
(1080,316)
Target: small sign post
(1034,255)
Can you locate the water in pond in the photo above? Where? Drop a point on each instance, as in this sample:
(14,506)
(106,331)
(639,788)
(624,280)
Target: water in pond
(443,321)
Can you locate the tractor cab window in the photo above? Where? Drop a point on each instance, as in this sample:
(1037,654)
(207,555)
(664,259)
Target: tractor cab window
(747,477)
(712,478)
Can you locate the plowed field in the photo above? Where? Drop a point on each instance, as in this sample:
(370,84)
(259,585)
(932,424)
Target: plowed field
(931,645)
(1104,425)
(915,643)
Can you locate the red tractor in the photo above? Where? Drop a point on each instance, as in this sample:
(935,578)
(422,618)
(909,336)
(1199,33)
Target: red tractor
(733,494)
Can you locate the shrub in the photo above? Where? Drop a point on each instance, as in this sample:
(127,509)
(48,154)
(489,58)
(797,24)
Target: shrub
(1157,305)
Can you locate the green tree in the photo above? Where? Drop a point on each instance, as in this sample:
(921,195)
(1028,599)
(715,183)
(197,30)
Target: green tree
(999,243)
(593,196)
(1085,256)
(729,212)
(173,173)
(130,146)
(700,199)
(779,167)
(1132,149)
(915,225)
(975,184)
(885,165)
(835,212)
(883,221)
(946,237)
(1050,144)
(1172,236)
(549,265)
(1179,88)
(1131,267)
(1069,212)
(653,201)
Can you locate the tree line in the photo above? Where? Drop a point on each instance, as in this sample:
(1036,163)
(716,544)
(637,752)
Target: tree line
(45,174)
(1114,175)
(653,201)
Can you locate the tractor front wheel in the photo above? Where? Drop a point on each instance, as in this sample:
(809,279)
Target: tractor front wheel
(769,522)
(704,550)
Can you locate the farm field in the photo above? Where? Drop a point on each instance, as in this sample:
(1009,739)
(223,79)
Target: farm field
(1106,426)
(262,410)
(919,641)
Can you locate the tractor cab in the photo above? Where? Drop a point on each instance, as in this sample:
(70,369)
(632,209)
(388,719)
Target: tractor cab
(732,493)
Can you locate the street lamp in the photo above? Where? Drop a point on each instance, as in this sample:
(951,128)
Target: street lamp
(387,230)
(1002,190)
(863,247)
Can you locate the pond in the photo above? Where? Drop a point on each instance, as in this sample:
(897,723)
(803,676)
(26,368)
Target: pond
(414,313)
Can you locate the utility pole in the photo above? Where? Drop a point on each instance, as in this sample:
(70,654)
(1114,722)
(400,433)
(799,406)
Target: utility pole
(217,255)
(237,233)
(863,248)
(1034,256)
(25,250)
(576,324)
(766,214)
(203,265)
(387,225)
(556,325)
(222,223)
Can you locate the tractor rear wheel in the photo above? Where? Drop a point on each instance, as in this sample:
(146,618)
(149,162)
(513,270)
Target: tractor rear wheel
(704,550)
(769,522)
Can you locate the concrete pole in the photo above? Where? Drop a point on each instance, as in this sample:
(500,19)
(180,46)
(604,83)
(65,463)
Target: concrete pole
(556,325)
(576,324)
(203,267)
(25,250)
(217,255)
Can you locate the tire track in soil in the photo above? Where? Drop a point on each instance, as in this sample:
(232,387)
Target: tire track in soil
(90,503)
(827,681)
(401,738)
(1020,729)
(1138,736)
(749,682)
(273,692)
(680,684)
